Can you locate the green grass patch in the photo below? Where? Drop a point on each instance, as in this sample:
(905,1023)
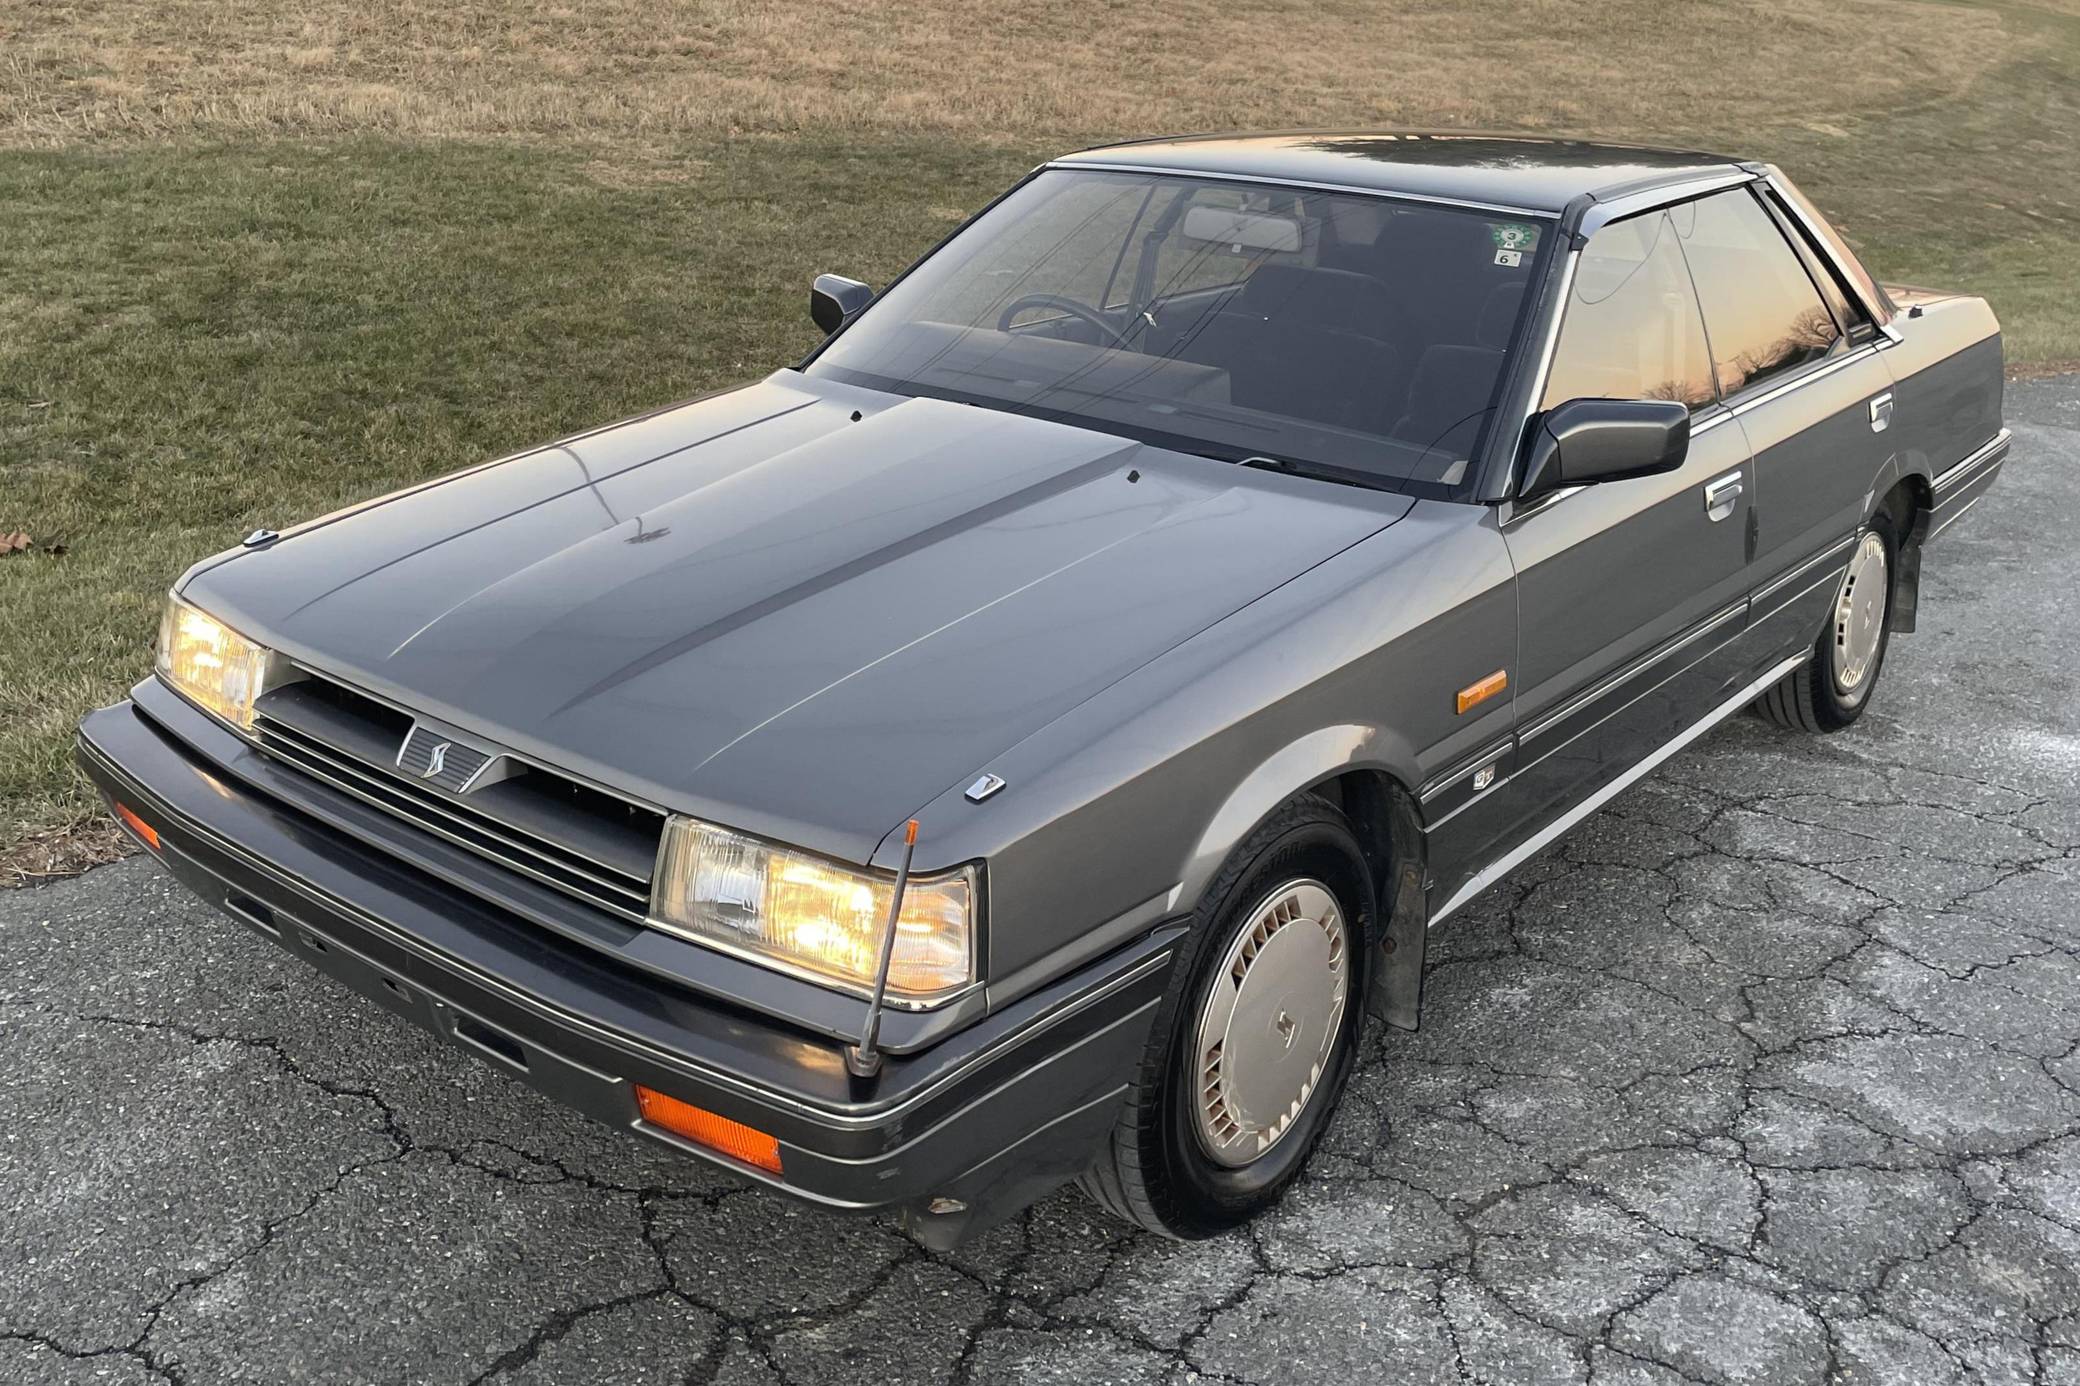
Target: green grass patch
(195,341)
(201,342)
(1981,194)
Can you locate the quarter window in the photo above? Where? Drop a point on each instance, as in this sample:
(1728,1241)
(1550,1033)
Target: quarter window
(1855,323)
(1632,329)
(1761,310)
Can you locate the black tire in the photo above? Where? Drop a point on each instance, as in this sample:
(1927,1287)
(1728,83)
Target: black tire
(1152,1171)
(1809,699)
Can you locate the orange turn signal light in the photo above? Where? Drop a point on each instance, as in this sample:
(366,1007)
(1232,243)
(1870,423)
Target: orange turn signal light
(1484,689)
(705,1128)
(144,830)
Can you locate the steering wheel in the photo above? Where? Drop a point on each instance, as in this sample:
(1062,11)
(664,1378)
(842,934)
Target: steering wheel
(1081,312)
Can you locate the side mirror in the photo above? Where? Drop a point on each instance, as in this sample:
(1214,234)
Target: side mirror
(1588,440)
(834,298)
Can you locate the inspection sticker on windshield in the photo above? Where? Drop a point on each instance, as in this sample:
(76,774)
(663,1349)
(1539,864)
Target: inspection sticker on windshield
(1512,239)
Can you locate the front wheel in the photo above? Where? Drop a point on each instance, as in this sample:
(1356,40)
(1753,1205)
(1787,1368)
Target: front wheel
(1831,690)
(1254,1040)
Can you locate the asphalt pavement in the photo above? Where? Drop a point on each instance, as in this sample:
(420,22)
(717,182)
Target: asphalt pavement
(1768,1074)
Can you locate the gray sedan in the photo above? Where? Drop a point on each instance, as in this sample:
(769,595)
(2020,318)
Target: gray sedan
(1021,742)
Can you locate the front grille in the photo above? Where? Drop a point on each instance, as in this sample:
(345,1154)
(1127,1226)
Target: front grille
(589,844)
(427,755)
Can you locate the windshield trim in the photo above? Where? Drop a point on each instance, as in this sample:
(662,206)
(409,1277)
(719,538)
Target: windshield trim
(1388,194)
(1157,438)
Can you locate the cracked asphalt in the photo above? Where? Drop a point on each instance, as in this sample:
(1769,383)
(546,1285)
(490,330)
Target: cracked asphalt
(1769,1074)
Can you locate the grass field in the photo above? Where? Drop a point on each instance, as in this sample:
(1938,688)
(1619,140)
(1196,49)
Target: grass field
(257,260)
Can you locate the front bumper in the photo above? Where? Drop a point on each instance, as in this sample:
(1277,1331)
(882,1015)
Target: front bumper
(954,1135)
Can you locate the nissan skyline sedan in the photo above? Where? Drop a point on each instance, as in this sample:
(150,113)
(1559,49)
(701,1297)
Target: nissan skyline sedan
(1023,741)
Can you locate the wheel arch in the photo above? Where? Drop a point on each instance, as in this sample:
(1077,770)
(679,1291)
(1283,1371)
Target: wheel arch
(1366,772)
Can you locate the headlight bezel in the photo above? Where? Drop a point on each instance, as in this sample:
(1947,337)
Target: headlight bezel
(757,949)
(260,666)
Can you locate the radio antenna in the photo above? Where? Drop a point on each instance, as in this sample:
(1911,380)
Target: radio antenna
(863,1060)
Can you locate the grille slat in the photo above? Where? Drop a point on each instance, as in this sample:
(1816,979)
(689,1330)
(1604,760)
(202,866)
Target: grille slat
(584,842)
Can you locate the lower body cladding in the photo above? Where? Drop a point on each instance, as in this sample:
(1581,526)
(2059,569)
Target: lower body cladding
(1959,488)
(953,1137)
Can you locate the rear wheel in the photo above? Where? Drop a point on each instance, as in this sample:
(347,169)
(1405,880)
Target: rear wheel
(1831,690)
(1254,1040)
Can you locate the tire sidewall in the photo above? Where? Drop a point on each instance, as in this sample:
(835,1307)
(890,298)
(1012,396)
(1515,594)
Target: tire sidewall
(1206,1196)
(1834,707)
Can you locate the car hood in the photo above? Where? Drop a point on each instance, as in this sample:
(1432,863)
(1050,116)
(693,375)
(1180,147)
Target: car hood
(800,608)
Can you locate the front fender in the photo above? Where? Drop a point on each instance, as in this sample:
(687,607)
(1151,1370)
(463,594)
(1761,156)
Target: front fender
(1320,755)
(1368,770)
(1117,815)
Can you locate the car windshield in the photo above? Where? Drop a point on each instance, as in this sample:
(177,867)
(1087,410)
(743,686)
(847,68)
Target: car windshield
(1355,337)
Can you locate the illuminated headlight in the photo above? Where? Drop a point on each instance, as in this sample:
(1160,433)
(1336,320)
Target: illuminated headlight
(803,912)
(212,664)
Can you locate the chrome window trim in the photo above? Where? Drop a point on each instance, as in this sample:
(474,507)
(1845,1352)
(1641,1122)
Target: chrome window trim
(1851,286)
(1819,370)
(1211,176)
(1551,344)
(1544,837)
(1539,376)
(1600,214)
(1603,214)
(1541,505)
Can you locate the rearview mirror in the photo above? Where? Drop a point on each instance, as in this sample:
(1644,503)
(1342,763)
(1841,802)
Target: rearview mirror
(1241,231)
(1589,440)
(834,298)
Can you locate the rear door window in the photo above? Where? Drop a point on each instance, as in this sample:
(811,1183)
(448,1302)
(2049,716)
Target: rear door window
(1762,311)
(1632,329)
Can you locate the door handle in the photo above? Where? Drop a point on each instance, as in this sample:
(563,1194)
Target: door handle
(1721,496)
(1881,412)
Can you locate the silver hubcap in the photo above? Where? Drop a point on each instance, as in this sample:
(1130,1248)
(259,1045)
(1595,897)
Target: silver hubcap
(1270,1022)
(1859,614)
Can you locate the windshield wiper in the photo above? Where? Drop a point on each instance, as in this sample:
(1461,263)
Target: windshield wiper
(1315,471)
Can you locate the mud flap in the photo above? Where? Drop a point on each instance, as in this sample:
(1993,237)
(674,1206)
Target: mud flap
(1397,994)
(1906,588)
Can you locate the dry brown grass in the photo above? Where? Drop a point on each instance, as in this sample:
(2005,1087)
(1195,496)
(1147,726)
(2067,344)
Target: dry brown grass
(55,853)
(262,257)
(632,71)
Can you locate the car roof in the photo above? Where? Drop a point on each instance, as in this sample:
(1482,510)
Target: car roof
(1531,173)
